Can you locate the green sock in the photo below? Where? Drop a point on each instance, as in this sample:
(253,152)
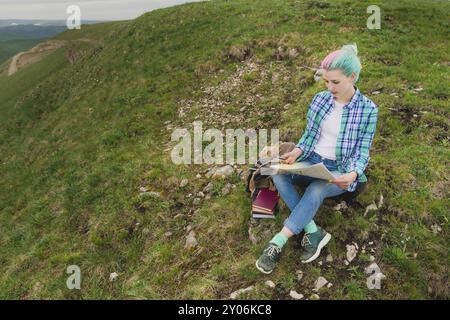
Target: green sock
(310,227)
(279,239)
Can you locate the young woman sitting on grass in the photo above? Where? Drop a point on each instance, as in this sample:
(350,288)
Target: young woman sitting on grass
(341,124)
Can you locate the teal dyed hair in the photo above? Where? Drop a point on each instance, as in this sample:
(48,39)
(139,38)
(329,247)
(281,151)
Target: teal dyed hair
(345,59)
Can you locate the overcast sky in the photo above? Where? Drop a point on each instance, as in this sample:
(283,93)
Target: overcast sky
(90,9)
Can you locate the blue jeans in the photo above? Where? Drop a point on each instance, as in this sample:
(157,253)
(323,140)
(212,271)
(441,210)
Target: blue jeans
(304,209)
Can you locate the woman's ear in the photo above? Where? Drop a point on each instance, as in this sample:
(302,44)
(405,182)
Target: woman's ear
(353,77)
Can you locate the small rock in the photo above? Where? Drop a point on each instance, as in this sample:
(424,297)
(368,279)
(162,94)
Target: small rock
(226,189)
(314,297)
(223,172)
(329,258)
(196,201)
(242,109)
(201,194)
(270,284)
(168,234)
(209,187)
(371,258)
(191,241)
(299,275)
(351,252)
(370,207)
(340,206)
(113,276)
(376,92)
(381,201)
(198,176)
(236,293)
(143,189)
(292,53)
(207,197)
(320,282)
(184,183)
(370,243)
(329,285)
(320,263)
(295,295)
(436,228)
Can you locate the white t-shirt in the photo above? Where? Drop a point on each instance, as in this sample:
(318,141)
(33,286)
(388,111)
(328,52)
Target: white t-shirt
(326,146)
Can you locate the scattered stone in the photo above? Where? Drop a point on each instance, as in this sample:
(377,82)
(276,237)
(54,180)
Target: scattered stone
(376,92)
(113,276)
(329,285)
(320,263)
(180,215)
(209,187)
(270,284)
(295,295)
(436,228)
(201,194)
(370,207)
(340,206)
(223,172)
(188,228)
(329,258)
(236,293)
(371,258)
(351,252)
(320,282)
(196,201)
(293,53)
(168,234)
(242,109)
(299,275)
(226,189)
(143,189)
(370,243)
(207,197)
(381,201)
(184,183)
(191,241)
(198,176)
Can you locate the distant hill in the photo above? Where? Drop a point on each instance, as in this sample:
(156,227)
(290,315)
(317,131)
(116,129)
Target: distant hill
(12,22)
(20,35)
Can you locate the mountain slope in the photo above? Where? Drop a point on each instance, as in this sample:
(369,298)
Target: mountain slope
(79,139)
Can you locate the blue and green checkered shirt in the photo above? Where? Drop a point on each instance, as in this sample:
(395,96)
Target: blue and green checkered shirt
(358,124)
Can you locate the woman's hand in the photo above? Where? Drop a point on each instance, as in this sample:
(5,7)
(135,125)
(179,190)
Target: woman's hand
(290,157)
(345,180)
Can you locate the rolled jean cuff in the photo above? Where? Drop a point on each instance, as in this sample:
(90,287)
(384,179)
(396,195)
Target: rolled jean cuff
(292,227)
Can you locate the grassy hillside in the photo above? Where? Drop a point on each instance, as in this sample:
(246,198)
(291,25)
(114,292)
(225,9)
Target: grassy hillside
(79,140)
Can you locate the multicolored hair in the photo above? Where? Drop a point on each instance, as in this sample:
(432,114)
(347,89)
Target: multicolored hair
(345,59)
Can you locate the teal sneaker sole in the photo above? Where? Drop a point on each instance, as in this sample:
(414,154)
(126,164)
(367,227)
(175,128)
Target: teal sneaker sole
(261,269)
(322,244)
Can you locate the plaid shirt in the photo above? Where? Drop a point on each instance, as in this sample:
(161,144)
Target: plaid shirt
(358,124)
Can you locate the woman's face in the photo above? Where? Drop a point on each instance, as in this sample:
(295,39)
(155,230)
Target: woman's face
(338,83)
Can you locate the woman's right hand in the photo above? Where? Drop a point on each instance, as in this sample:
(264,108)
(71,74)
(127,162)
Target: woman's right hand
(290,157)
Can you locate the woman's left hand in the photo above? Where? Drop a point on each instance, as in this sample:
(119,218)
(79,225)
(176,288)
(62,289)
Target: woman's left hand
(345,180)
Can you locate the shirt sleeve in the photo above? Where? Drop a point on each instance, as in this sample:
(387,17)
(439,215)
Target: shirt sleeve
(361,157)
(307,137)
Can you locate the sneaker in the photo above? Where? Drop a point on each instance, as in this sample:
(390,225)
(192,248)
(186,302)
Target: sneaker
(313,243)
(268,260)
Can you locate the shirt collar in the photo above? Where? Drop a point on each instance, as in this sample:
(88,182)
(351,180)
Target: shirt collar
(353,102)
